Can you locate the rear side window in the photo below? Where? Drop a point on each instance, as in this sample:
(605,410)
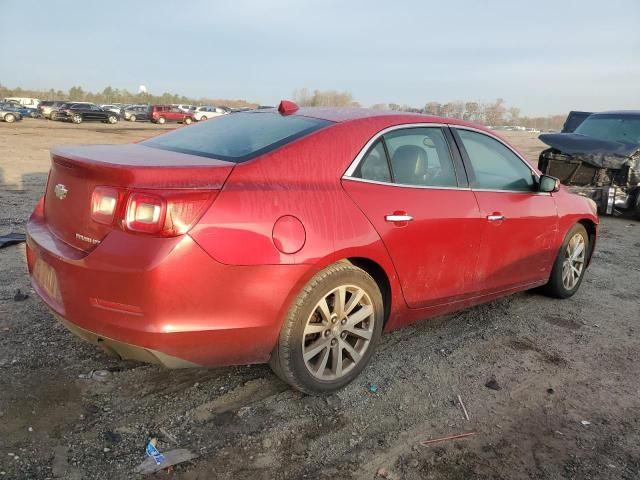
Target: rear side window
(374,165)
(238,137)
(495,167)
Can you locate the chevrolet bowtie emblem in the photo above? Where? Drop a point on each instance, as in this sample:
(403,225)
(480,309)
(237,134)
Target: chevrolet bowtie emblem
(61,191)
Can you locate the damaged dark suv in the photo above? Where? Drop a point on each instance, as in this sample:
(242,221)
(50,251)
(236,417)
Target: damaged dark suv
(599,160)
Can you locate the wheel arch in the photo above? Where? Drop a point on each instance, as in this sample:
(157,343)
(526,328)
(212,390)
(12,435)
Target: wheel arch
(592,231)
(381,278)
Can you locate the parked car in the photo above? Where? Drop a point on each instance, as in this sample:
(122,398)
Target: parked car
(209,111)
(80,112)
(185,108)
(167,113)
(46,107)
(135,112)
(295,237)
(27,102)
(112,108)
(17,108)
(9,116)
(600,159)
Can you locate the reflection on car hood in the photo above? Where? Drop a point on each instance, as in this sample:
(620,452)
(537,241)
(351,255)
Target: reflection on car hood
(600,153)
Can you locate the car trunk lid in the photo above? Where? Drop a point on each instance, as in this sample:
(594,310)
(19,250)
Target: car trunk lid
(76,171)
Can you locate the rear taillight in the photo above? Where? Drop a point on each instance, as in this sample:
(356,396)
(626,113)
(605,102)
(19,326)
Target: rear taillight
(104,202)
(145,213)
(164,213)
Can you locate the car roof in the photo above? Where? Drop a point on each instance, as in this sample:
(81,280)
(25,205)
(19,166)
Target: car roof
(342,115)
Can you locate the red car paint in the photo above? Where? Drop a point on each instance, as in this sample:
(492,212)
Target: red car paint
(218,295)
(169,114)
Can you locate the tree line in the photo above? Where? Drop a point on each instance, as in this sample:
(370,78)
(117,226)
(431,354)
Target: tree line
(115,95)
(492,113)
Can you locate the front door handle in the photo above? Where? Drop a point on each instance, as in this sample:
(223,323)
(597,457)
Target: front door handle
(495,217)
(398,218)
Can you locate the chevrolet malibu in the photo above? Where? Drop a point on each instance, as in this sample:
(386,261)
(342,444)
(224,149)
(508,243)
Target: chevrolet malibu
(295,236)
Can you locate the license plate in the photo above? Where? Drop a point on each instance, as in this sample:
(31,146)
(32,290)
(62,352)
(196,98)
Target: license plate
(45,277)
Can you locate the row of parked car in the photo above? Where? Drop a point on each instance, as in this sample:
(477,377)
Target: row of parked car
(77,112)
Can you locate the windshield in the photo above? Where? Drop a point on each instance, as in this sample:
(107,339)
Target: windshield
(237,137)
(616,128)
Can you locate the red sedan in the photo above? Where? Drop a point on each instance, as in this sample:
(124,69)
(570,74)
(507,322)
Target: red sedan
(295,237)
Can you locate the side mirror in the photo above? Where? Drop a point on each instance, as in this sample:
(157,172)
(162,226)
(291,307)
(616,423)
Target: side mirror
(548,184)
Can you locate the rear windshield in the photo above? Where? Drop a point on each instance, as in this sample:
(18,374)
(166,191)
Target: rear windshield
(237,137)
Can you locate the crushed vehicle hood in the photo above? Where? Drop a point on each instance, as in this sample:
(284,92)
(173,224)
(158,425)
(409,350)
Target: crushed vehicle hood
(599,153)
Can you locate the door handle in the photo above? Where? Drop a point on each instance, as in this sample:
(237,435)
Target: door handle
(398,218)
(495,217)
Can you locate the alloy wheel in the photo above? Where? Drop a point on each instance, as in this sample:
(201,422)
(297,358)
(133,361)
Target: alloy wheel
(573,263)
(338,332)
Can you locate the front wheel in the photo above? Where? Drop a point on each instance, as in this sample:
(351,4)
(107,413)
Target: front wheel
(9,118)
(570,265)
(331,330)
(187,121)
(112,119)
(161,120)
(132,118)
(76,119)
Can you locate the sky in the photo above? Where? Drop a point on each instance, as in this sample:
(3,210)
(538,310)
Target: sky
(545,57)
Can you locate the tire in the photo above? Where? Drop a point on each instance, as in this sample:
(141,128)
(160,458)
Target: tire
(564,281)
(77,119)
(161,120)
(52,116)
(9,118)
(324,335)
(187,121)
(204,117)
(132,118)
(112,119)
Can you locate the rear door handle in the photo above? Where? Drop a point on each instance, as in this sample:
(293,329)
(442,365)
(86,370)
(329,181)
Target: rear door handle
(495,217)
(398,218)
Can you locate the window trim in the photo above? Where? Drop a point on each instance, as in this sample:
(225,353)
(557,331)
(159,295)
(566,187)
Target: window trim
(348,174)
(469,167)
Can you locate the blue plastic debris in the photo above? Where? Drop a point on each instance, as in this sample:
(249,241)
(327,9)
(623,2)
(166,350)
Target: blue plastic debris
(373,388)
(153,452)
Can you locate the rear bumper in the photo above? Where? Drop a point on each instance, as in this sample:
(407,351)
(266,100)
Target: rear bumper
(162,300)
(126,350)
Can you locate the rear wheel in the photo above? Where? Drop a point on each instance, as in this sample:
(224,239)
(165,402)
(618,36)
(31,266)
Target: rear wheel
(570,265)
(187,121)
(132,118)
(331,330)
(9,118)
(204,117)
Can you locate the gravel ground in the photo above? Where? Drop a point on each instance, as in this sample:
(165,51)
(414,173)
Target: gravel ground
(566,402)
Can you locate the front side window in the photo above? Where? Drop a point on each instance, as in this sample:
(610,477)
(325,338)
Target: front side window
(238,137)
(374,165)
(495,167)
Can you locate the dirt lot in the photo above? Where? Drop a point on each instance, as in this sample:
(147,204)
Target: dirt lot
(558,364)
